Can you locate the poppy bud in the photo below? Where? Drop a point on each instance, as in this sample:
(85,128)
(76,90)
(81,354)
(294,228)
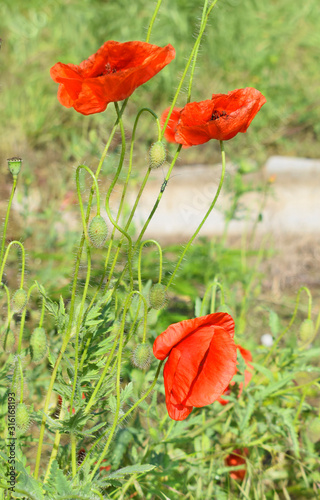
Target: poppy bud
(22,417)
(306,331)
(158,296)
(98,231)
(14,165)
(19,300)
(38,344)
(141,356)
(8,341)
(157,154)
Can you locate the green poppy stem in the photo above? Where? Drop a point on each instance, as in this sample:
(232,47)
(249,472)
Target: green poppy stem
(205,217)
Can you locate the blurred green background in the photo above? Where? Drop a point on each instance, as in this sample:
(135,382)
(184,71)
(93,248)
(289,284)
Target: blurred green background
(273,46)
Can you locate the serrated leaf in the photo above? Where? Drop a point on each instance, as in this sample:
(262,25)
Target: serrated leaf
(27,483)
(265,371)
(132,469)
(260,395)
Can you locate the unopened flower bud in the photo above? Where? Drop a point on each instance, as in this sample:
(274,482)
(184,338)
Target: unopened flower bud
(22,417)
(141,357)
(306,331)
(14,165)
(157,154)
(98,231)
(38,344)
(158,296)
(19,300)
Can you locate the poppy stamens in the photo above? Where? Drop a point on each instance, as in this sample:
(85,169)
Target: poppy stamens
(217,114)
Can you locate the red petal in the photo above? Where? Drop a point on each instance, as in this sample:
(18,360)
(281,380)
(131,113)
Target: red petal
(63,97)
(175,411)
(217,370)
(178,331)
(192,351)
(171,127)
(110,75)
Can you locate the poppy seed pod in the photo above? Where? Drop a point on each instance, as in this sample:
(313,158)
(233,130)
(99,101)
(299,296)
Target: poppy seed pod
(98,231)
(22,417)
(141,356)
(38,344)
(157,154)
(14,165)
(19,300)
(158,296)
(306,331)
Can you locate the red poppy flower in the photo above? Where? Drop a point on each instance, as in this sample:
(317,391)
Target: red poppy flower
(111,74)
(221,117)
(247,356)
(201,361)
(237,457)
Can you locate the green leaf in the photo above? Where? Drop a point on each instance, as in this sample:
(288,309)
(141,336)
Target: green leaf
(274,323)
(132,469)
(265,371)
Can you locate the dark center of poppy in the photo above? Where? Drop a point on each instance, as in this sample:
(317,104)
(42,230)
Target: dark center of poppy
(217,114)
(108,69)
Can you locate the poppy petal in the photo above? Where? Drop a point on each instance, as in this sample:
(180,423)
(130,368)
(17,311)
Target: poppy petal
(192,351)
(216,372)
(178,331)
(171,127)
(111,74)
(176,411)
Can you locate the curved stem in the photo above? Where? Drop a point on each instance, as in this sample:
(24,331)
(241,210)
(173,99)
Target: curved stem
(14,185)
(139,261)
(205,217)
(84,222)
(23,259)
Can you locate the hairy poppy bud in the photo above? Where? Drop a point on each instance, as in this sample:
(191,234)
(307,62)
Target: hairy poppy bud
(38,344)
(8,341)
(14,165)
(141,356)
(306,331)
(158,296)
(98,231)
(19,300)
(157,154)
(22,417)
